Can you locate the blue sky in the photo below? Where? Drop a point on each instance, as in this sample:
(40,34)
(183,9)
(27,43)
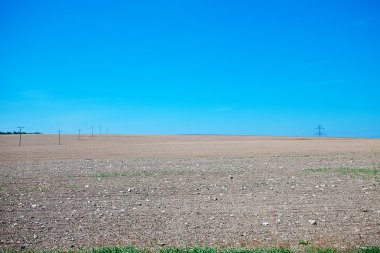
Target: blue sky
(174,67)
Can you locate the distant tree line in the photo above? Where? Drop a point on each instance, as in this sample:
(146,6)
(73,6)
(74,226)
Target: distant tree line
(15,132)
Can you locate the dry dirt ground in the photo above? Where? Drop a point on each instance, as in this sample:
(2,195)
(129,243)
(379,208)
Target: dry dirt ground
(153,191)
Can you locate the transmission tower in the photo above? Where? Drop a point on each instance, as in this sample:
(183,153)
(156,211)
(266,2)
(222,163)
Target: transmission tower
(320,131)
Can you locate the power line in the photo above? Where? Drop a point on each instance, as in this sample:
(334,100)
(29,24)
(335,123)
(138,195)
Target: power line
(320,131)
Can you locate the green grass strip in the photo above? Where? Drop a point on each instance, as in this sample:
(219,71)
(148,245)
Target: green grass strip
(347,171)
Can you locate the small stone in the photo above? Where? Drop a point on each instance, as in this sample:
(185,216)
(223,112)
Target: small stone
(231,177)
(215,198)
(312,222)
(130,189)
(34,205)
(265,223)
(86,186)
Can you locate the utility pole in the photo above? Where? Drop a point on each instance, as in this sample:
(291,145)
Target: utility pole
(79,134)
(319,132)
(107,131)
(19,142)
(92,131)
(100,129)
(59,137)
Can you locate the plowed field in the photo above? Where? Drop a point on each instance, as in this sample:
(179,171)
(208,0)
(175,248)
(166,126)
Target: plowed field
(154,191)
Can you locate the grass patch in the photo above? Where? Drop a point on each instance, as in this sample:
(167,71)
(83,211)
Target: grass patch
(373,249)
(321,250)
(321,170)
(213,250)
(347,171)
(132,249)
(112,174)
(124,174)
(369,171)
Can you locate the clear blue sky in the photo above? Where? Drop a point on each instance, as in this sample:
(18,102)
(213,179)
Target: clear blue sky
(172,67)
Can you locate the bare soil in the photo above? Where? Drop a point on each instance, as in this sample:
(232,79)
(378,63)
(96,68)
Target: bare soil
(154,191)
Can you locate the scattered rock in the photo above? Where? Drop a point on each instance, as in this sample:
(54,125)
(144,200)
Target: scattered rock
(37,205)
(312,222)
(265,223)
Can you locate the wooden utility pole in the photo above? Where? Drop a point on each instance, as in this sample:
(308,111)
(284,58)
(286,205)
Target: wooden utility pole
(59,137)
(19,142)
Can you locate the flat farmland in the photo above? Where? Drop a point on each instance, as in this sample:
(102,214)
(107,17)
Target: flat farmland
(188,190)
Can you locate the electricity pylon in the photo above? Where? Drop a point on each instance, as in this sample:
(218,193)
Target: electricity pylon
(320,131)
